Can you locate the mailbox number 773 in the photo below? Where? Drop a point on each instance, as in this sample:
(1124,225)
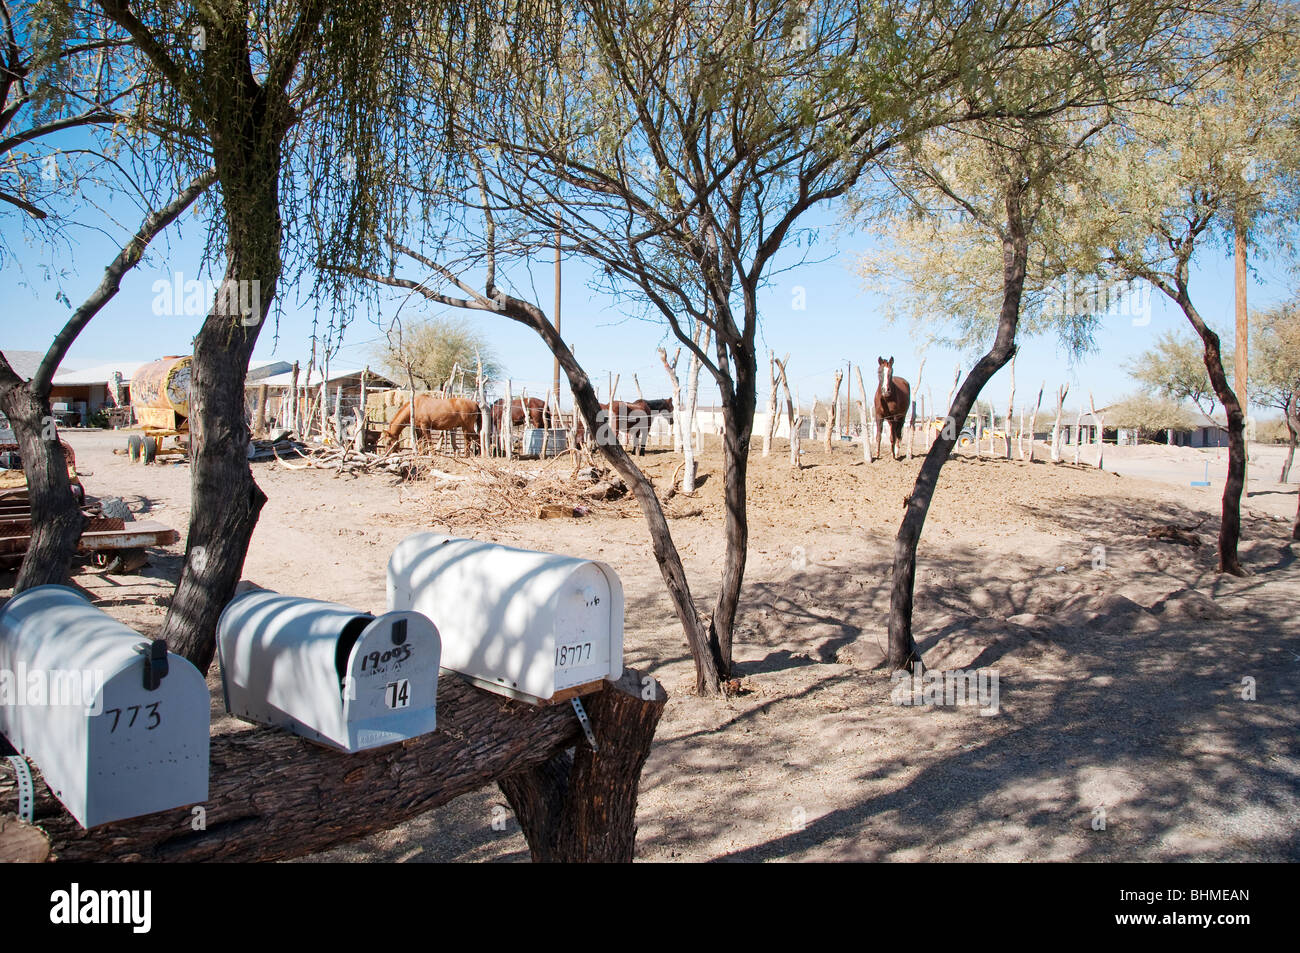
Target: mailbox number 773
(152,718)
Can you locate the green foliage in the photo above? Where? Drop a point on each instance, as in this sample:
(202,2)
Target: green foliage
(1150,415)
(435,349)
(1275,357)
(1272,430)
(65,79)
(333,100)
(1174,369)
(1176,178)
(1199,130)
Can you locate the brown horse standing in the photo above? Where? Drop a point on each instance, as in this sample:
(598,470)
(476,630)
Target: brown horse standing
(893,397)
(633,418)
(539,415)
(435,413)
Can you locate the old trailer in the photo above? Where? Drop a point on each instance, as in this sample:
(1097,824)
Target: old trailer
(160,399)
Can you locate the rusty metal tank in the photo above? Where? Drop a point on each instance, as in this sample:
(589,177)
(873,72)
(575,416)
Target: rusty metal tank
(160,394)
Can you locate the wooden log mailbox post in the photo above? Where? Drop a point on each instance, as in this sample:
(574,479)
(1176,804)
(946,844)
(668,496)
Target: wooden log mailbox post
(533,696)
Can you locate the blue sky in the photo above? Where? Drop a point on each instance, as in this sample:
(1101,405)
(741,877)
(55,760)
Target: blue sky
(842,322)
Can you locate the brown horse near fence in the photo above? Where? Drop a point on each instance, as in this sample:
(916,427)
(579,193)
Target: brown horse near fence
(539,414)
(633,418)
(893,397)
(434,414)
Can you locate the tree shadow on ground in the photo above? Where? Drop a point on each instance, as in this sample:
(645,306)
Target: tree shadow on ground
(1125,699)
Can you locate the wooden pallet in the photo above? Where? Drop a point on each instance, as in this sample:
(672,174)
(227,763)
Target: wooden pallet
(135,535)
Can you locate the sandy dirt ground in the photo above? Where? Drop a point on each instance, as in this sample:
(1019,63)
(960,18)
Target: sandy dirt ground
(1120,733)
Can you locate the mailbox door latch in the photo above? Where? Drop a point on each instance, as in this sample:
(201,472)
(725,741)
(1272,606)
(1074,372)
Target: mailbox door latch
(155,665)
(586,723)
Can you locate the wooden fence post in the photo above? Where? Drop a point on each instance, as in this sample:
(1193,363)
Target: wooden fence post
(832,411)
(507,424)
(1056,427)
(1033,419)
(1101,435)
(866,419)
(1011,404)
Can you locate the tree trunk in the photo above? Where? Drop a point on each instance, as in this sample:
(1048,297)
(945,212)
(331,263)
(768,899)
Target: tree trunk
(581,806)
(1295,529)
(902,647)
(735,445)
(56,517)
(738,417)
(225,499)
(1234,485)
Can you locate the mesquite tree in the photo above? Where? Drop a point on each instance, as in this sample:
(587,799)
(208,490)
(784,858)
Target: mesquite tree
(987,231)
(447,287)
(1174,368)
(1275,369)
(1212,165)
(678,146)
(301,106)
(64,70)
(56,518)
(1002,180)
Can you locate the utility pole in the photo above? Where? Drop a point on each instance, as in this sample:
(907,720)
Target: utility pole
(555,387)
(1241,366)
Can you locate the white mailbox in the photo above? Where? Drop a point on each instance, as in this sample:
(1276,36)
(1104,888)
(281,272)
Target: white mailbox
(117,725)
(329,673)
(536,626)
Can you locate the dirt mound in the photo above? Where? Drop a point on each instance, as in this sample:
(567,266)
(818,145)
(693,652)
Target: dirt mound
(1033,596)
(1189,605)
(972,642)
(1103,612)
(861,653)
